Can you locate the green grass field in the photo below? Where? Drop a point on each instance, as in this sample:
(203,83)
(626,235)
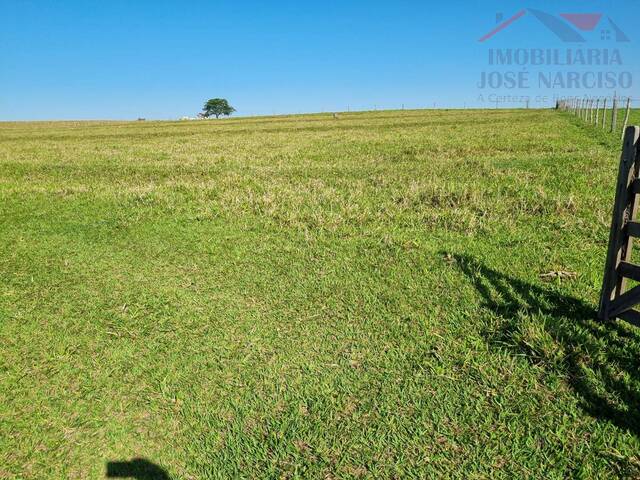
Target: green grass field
(309,297)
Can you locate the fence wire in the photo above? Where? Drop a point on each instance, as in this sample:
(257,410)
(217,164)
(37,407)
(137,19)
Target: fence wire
(611,114)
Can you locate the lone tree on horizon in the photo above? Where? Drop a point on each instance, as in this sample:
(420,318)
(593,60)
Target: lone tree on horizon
(217,107)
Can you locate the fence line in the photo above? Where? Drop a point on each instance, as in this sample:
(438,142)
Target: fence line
(626,118)
(588,110)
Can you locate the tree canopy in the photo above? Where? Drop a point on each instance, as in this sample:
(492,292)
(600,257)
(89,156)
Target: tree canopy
(217,107)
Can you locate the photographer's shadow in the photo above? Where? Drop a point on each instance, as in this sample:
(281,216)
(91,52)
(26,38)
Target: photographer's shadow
(601,361)
(138,469)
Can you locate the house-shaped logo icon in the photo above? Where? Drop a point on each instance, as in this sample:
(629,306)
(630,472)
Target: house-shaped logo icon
(568,27)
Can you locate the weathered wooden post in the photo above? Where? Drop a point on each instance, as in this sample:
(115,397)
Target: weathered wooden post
(597,112)
(586,109)
(580,105)
(615,300)
(626,116)
(587,112)
(614,115)
(604,114)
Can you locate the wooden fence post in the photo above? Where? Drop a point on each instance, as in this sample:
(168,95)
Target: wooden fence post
(614,300)
(614,115)
(580,108)
(604,114)
(588,109)
(597,112)
(626,116)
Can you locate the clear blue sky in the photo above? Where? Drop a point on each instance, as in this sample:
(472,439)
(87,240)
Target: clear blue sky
(116,59)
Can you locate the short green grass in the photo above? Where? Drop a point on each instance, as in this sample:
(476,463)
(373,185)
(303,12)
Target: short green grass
(309,297)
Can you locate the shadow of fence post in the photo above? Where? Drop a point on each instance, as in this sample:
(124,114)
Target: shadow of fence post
(600,361)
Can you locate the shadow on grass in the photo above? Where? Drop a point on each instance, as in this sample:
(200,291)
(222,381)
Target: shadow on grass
(560,333)
(138,469)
